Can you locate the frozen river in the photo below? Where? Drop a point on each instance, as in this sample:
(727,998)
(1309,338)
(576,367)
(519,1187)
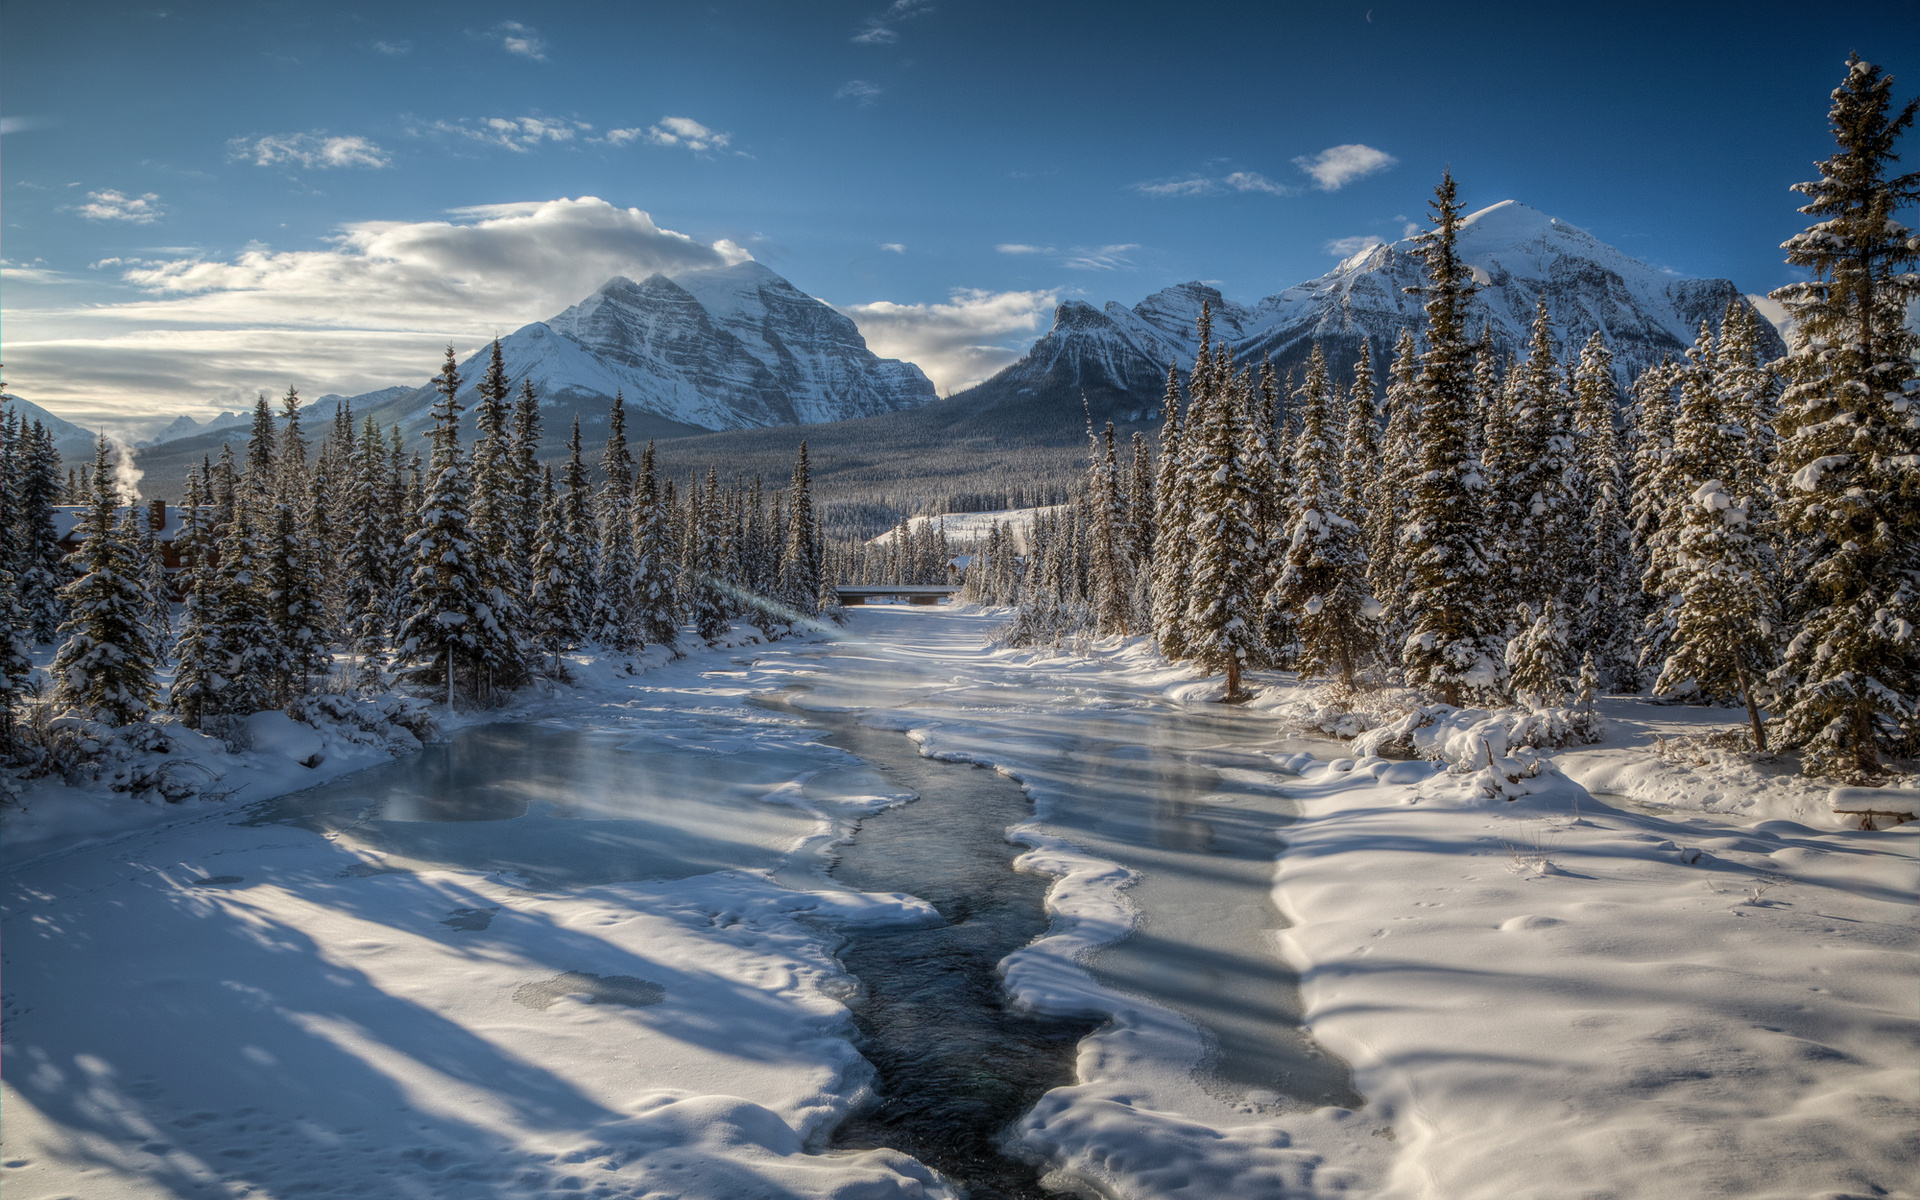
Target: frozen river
(499,966)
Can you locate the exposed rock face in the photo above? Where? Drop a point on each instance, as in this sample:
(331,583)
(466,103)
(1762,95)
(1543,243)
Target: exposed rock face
(731,348)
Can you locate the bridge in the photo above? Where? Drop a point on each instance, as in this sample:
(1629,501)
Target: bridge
(912,593)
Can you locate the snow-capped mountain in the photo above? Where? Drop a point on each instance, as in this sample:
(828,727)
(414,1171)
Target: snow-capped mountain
(729,348)
(1120,355)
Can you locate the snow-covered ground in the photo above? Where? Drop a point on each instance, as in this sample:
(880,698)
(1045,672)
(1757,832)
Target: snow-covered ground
(1690,980)
(972,528)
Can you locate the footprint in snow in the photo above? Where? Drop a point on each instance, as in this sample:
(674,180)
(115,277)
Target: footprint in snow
(596,989)
(470,920)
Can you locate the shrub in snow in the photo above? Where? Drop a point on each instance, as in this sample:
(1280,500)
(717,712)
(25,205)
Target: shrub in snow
(397,724)
(1464,737)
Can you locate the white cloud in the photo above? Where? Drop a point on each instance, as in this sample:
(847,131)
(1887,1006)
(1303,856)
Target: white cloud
(1022,248)
(392,49)
(1103,258)
(675,131)
(314,149)
(895,247)
(880,29)
(954,343)
(1337,166)
(519,39)
(1203,185)
(519,134)
(111,205)
(1347,247)
(1411,229)
(374,308)
(858,90)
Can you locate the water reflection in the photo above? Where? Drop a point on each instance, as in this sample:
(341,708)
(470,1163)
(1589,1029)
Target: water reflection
(564,807)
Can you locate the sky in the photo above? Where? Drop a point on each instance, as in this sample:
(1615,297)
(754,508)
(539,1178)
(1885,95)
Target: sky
(199,201)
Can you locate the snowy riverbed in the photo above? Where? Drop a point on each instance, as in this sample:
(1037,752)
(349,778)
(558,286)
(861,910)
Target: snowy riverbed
(336,994)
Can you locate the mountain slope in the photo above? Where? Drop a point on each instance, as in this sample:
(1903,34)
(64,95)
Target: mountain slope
(1518,256)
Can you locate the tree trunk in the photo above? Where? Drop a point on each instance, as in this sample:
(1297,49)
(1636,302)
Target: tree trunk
(1753,713)
(1233,680)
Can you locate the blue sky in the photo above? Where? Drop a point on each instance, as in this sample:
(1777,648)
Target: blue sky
(192,193)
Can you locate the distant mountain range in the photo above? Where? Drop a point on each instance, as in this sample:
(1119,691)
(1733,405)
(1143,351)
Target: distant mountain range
(722,364)
(1118,356)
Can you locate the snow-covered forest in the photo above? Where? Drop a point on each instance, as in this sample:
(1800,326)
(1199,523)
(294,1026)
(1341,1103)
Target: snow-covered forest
(1732,530)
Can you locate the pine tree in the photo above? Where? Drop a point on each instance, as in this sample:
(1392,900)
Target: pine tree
(368,562)
(495,498)
(104,668)
(452,629)
(656,599)
(614,625)
(198,676)
(1223,609)
(1540,659)
(151,557)
(16,657)
(800,577)
(42,563)
(1723,606)
(1393,508)
(290,470)
(295,615)
(1699,450)
(528,491)
(1112,566)
(1848,439)
(263,460)
(1323,577)
(557,610)
(254,657)
(1451,645)
(1172,513)
(1603,612)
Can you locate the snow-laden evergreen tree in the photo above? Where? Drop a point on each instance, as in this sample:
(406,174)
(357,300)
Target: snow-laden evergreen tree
(1700,449)
(1650,441)
(1540,659)
(295,613)
(1723,613)
(1112,565)
(582,528)
(104,669)
(42,563)
(496,500)
(613,624)
(1849,438)
(16,633)
(150,554)
(529,494)
(261,481)
(800,578)
(1749,404)
(656,598)
(254,656)
(706,604)
(1172,512)
(1323,577)
(1603,614)
(290,454)
(557,609)
(367,568)
(1554,538)
(1224,602)
(1452,645)
(452,633)
(1393,507)
(199,673)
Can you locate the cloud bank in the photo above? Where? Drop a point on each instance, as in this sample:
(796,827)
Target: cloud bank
(954,343)
(374,308)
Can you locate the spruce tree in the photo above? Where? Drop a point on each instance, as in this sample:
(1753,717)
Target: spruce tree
(1393,507)
(1603,613)
(800,577)
(1323,575)
(261,481)
(294,610)
(452,631)
(255,659)
(42,566)
(614,625)
(200,672)
(1451,645)
(528,493)
(656,599)
(104,669)
(1172,510)
(1848,439)
(556,609)
(1112,566)
(1224,606)
(1723,606)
